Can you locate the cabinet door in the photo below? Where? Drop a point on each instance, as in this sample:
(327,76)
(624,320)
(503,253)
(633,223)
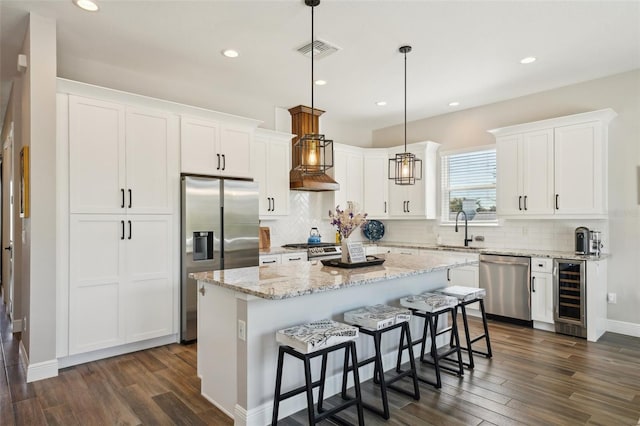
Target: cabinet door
(269,259)
(537,172)
(96,156)
(542,297)
(278,164)
(397,199)
(376,185)
(293,257)
(509,176)
(259,165)
(416,199)
(578,169)
(151,161)
(96,253)
(198,147)
(148,289)
(235,151)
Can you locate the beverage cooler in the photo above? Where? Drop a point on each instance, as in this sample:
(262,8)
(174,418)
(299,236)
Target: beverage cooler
(569,278)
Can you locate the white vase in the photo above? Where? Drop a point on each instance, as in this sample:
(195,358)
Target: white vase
(345,250)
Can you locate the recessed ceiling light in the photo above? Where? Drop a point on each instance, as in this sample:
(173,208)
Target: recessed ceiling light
(381,103)
(454,103)
(527,60)
(87,5)
(230,53)
(320,82)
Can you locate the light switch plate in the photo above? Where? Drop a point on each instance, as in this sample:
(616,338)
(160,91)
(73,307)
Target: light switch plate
(242,330)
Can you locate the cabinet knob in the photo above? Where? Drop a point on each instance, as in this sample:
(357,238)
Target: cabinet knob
(202,290)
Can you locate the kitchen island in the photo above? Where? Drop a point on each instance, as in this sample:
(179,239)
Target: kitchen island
(240,310)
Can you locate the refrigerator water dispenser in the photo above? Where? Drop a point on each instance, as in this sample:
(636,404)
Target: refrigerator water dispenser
(203,245)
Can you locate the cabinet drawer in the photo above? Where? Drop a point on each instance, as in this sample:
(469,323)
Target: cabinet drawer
(541,265)
(294,257)
(270,259)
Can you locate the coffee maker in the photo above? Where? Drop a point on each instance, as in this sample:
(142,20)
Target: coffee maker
(583,241)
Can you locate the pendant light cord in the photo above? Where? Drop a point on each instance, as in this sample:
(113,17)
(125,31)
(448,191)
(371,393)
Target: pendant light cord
(405,102)
(313,122)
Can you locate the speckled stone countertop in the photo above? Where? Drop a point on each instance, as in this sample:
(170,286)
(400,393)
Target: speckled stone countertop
(285,281)
(499,251)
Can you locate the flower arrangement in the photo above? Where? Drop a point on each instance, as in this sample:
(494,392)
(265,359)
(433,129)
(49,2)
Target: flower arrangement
(347,220)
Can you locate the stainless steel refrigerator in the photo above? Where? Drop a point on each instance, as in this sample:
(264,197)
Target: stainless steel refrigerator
(219,230)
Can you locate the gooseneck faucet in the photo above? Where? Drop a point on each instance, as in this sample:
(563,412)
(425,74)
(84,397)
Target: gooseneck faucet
(466,239)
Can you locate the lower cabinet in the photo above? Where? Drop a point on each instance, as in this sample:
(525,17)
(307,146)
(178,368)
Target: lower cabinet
(542,290)
(120,280)
(274,259)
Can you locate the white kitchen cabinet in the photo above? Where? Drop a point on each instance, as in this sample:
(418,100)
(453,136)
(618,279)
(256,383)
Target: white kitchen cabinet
(270,165)
(348,172)
(542,290)
(293,257)
(376,183)
(120,158)
(120,280)
(215,148)
(554,168)
(419,200)
(525,173)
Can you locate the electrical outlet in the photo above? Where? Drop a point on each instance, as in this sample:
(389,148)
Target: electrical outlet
(612,298)
(242,330)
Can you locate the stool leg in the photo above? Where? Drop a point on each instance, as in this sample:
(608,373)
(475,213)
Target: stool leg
(454,331)
(465,322)
(379,369)
(434,349)
(356,383)
(345,371)
(400,349)
(427,327)
(323,376)
(486,329)
(412,361)
(276,395)
(309,386)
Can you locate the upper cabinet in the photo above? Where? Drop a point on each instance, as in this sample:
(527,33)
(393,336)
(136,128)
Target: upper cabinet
(210,147)
(415,201)
(120,158)
(348,172)
(376,183)
(270,164)
(554,168)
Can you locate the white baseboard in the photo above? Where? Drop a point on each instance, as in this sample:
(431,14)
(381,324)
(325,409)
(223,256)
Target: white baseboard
(39,370)
(622,327)
(71,360)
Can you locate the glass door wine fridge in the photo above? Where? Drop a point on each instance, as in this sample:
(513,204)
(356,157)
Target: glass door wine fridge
(569,277)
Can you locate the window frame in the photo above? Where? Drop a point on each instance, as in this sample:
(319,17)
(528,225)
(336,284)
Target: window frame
(446,190)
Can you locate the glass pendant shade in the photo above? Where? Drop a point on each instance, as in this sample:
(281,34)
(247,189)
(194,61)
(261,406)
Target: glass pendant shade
(315,154)
(405,168)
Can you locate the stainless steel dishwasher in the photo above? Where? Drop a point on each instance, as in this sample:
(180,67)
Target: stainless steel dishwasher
(507,280)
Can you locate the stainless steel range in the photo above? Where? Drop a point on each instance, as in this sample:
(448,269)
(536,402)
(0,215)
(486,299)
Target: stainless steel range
(318,251)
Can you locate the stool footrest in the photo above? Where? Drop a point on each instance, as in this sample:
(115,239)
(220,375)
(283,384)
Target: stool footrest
(332,411)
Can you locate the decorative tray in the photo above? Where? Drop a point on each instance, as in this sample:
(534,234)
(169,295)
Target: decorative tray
(371,261)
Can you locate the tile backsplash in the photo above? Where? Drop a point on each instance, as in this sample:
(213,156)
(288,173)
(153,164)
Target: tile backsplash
(310,209)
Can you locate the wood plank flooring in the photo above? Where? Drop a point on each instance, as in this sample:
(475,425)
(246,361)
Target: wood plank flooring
(534,378)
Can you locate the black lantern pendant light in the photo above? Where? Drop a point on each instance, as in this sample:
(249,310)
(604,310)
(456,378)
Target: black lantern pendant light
(315,153)
(405,168)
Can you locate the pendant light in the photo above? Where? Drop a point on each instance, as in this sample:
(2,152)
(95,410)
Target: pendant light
(405,168)
(314,152)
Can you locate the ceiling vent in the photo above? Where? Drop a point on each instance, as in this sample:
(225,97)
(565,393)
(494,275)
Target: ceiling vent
(321,49)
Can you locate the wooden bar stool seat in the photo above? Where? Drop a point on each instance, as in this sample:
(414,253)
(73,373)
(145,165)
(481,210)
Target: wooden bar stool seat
(467,296)
(374,321)
(431,306)
(307,341)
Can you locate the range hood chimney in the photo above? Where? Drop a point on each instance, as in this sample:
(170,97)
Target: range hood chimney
(303,121)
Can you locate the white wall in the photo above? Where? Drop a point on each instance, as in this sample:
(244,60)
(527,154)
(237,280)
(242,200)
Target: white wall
(469,128)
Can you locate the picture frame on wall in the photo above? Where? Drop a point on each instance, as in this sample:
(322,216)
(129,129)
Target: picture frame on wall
(24,182)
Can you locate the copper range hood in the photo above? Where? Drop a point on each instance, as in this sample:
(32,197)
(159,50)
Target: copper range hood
(303,122)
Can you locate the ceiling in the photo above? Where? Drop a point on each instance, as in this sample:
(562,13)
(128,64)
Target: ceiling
(465,51)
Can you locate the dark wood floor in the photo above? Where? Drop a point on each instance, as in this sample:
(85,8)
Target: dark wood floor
(535,378)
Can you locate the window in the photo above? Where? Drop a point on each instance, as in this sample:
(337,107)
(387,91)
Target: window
(468,183)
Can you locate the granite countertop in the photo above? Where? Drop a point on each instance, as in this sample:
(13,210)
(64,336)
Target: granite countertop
(285,281)
(499,251)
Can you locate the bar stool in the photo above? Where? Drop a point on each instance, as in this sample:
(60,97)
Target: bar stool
(431,306)
(467,296)
(306,342)
(375,321)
